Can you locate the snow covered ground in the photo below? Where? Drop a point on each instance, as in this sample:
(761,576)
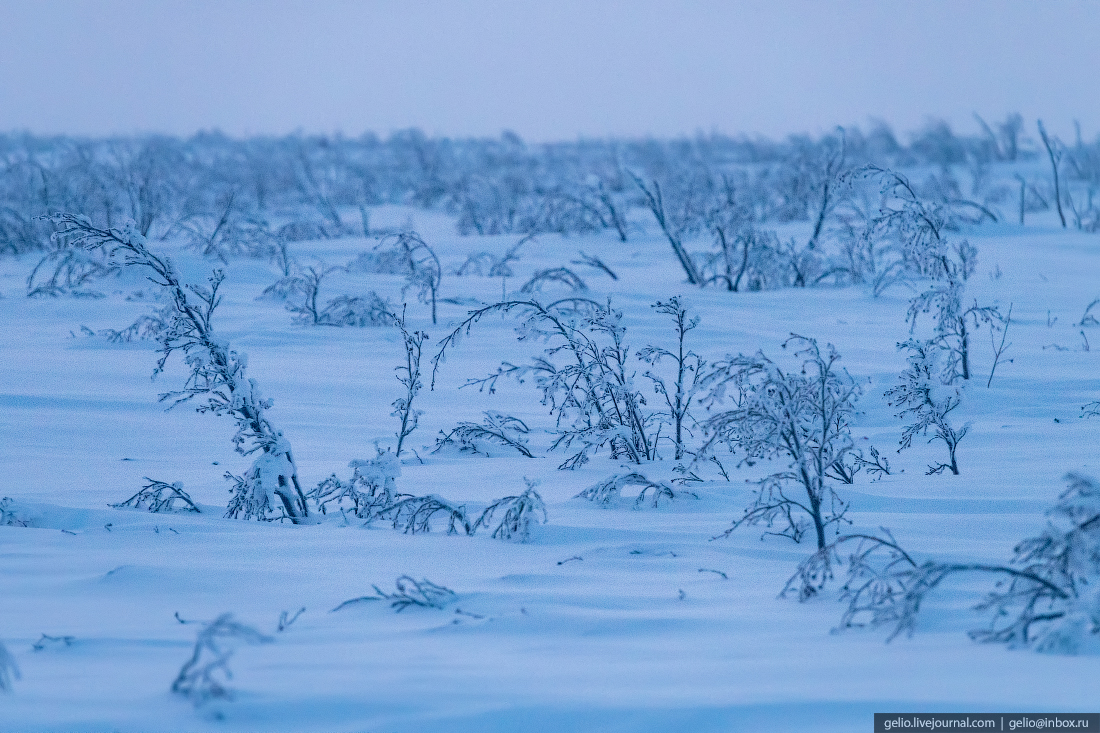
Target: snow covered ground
(616,619)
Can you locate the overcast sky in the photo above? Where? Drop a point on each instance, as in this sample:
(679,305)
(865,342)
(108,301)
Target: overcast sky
(551,69)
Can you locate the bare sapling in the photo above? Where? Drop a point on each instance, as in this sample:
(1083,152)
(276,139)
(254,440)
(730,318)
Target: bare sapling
(802,417)
(927,401)
(680,394)
(408,374)
(218,374)
(999,348)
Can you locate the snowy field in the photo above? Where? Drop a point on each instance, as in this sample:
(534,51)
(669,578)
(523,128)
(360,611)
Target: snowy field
(610,618)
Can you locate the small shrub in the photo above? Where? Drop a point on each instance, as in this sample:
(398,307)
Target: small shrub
(495,430)
(518,513)
(160,496)
(409,592)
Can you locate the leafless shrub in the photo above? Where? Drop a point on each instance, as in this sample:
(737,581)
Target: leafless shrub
(1088,319)
(409,592)
(205,676)
(160,497)
(414,514)
(144,328)
(518,514)
(680,394)
(583,375)
(496,429)
(69,271)
(803,417)
(560,275)
(417,261)
(217,372)
(371,489)
(596,263)
(926,401)
(49,642)
(610,489)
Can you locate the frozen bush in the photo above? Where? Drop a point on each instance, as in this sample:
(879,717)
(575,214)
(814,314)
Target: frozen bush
(583,374)
(160,496)
(408,592)
(517,514)
(926,401)
(609,490)
(480,439)
(371,489)
(1045,598)
(801,417)
(269,489)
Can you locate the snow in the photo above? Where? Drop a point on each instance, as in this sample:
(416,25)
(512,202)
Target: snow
(608,618)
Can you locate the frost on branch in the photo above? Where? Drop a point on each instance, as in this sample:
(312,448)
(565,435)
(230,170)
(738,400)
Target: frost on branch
(409,592)
(371,489)
(927,402)
(517,514)
(160,496)
(218,376)
(585,375)
(609,490)
(801,417)
(496,430)
(1046,598)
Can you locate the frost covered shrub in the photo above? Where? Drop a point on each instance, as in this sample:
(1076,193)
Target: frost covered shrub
(1047,598)
(205,676)
(926,401)
(409,592)
(584,375)
(371,489)
(496,430)
(301,290)
(802,417)
(517,514)
(160,496)
(609,490)
(68,271)
(406,253)
(270,488)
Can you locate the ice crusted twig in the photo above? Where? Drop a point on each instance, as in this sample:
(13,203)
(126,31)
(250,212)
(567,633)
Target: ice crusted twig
(159,496)
(607,491)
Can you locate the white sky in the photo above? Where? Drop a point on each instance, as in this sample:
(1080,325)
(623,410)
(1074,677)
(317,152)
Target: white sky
(547,69)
